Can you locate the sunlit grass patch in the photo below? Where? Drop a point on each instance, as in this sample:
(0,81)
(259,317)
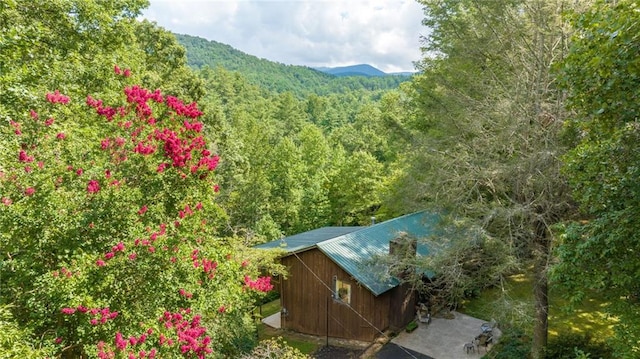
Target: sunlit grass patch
(305,345)
(513,302)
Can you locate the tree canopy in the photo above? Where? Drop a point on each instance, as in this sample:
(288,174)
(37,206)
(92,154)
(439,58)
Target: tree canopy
(490,114)
(601,77)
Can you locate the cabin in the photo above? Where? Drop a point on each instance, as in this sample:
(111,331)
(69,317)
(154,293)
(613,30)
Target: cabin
(338,284)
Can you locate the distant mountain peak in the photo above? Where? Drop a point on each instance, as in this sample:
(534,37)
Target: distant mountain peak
(353,70)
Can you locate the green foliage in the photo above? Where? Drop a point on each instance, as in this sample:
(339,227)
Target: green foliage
(512,344)
(94,206)
(72,45)
(411,326)
(275,348)
(463,269)
(490,112)
(284,172)
(571,346)
(15,341)
(601,75)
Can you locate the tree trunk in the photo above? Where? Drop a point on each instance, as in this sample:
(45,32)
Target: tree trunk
(540,294)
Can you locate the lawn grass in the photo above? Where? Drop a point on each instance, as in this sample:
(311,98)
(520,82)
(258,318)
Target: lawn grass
(587,318)
(271,308)
(305,345)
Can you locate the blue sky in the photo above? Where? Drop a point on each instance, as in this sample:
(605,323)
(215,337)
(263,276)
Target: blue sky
(382,33)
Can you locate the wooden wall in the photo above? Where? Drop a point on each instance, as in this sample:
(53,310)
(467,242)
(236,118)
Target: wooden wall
(309,303)
(402,306)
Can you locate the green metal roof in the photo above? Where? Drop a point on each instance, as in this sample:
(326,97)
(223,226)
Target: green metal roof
(354,249)
(307,240)
(355,252)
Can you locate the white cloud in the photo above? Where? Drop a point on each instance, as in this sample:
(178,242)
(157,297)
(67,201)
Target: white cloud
(383,33)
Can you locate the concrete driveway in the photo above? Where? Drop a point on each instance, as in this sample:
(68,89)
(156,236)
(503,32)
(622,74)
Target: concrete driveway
(445,338)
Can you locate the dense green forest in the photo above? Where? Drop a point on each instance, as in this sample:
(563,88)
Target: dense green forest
(130,153)
(299,80)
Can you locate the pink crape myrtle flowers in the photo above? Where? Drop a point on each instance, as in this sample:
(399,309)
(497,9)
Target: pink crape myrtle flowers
(57,97)
(93,186)
(261,284)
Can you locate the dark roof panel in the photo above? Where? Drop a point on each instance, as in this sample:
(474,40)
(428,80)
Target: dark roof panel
(307,240)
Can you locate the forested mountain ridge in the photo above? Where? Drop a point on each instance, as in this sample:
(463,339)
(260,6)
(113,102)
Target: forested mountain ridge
(277,77)
(354,70)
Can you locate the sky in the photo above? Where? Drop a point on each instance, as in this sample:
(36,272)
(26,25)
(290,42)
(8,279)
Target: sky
(382,33)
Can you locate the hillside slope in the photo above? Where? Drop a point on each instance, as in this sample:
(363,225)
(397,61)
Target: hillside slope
(278,77)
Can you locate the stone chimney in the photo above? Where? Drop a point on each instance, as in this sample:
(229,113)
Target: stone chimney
(402,248)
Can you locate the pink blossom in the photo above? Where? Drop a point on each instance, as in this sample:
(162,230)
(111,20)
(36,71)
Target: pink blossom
(68,311)
(118,247)
(126,73)
(79,171)
(133,256)
(143,210)
(58,340)
(94,321)
(117,70)
(33,114)
(93,186)
(262,284)
(29,191)
(49,121)
(222,309)
(109,255)
(100,263)
(61,136)
(23,157)
(6,201)
(120,342)
(57,97)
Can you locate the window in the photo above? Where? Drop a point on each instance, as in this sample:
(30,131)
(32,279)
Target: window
(342,290)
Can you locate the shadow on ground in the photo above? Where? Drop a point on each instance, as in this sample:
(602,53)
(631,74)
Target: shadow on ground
(333,352)
(394,351)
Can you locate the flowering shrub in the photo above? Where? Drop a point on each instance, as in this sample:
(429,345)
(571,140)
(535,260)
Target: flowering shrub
(110,224)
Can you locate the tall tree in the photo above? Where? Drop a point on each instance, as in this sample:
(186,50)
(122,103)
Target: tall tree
(602,78)
(491,114)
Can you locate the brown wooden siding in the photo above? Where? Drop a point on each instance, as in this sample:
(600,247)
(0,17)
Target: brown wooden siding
(309,303)
(402,306)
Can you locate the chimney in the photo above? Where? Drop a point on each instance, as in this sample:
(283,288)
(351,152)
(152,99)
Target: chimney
(403,246)
(400,248)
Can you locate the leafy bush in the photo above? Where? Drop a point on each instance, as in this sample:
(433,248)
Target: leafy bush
(513,344)
(14,340)
(566,346)
(411,326)
(274,349)
(109,229)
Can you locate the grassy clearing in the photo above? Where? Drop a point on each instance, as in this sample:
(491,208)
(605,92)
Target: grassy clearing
(514,304)
(300,342)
